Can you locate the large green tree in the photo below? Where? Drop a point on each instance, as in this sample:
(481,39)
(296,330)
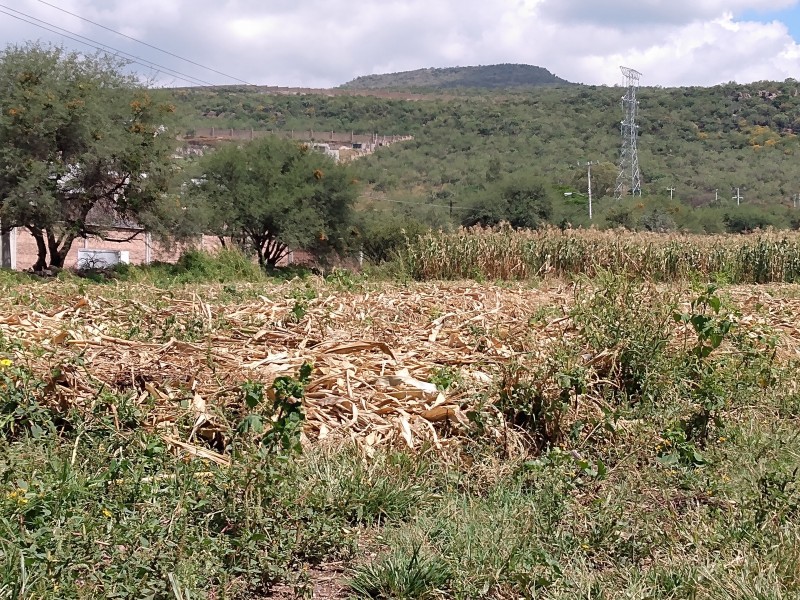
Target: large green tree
(272,195)
(521,200)
(83,148)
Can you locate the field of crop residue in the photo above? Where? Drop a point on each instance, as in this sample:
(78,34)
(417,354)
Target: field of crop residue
(349,438)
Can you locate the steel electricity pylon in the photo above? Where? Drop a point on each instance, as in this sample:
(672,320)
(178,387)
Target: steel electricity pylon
(629,179)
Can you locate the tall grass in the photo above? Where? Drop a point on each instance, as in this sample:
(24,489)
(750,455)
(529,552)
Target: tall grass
(505,254)
(196,266)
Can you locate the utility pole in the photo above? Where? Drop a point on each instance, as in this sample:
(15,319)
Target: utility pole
(716,196)
(795,198)
(738,197)
(588,166)
(670,190)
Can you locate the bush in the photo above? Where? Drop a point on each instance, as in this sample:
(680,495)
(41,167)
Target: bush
(384,235)
(197,266)
(521,201)
(747,218)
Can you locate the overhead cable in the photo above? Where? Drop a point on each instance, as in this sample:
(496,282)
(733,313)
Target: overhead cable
(188,60)
(101,46)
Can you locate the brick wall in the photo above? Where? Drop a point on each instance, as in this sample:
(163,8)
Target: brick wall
(137,248)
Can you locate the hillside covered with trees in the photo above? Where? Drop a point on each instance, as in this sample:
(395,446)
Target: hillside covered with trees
(493,77)
(470,149)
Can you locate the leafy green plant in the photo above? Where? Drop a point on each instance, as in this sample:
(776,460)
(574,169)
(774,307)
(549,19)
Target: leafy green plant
(705,385)
(530,403)
(625,320)
(285,415)
(301,298)
(676,450)
(445,378)
(20,408)
(344,279)
(287,410)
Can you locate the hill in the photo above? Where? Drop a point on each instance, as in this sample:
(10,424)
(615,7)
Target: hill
(703,142)
(482,77)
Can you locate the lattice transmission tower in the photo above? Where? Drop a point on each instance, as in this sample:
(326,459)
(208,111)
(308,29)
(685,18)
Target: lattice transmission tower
(629,179)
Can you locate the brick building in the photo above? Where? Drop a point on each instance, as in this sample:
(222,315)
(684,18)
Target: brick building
(18,248)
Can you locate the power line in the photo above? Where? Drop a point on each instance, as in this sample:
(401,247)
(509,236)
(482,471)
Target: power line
(145,43)
(100,46)
(422,205)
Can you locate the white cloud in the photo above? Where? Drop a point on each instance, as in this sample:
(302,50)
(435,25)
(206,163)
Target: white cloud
(327,42)
(634,13)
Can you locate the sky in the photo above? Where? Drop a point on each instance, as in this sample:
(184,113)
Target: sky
(324,43)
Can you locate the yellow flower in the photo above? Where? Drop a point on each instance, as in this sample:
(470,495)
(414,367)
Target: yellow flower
(4,362)
(18,495)
(107,513)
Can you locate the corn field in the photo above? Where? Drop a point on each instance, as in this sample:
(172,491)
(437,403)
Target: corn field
(505,254)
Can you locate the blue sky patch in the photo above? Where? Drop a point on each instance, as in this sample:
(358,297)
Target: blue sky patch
(789,16)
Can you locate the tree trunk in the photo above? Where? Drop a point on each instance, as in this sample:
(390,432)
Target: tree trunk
(276,250)
(261,259)
(59,248)
(41,249)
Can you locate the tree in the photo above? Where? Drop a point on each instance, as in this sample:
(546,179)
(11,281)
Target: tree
(272,195)
(521,200)
(83,148)
(384,234)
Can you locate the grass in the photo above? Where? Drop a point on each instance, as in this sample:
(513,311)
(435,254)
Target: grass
(651,451)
